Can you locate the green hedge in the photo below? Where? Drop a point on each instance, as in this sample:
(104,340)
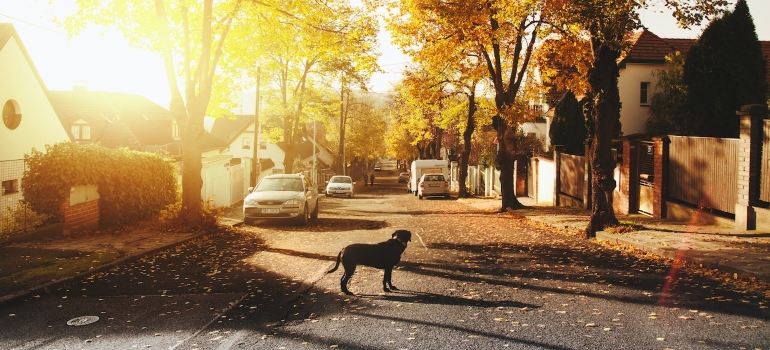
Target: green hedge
(132,185)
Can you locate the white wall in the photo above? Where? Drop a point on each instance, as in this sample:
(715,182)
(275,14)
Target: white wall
(39,124)
(632,114)
(546,177)
(216,180)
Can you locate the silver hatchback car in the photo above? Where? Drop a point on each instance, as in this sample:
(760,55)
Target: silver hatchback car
(281,196)
(433,185)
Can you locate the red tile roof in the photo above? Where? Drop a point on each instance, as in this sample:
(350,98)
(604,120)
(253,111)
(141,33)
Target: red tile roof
(646,47)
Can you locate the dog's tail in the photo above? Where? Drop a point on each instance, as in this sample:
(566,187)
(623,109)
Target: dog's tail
(337,264)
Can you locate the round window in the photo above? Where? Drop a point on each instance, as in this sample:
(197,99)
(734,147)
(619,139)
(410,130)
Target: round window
(11,118)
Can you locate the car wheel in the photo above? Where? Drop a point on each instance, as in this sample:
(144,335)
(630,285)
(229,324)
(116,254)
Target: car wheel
(248,221)
(314,214)
(447,196)
(303,216)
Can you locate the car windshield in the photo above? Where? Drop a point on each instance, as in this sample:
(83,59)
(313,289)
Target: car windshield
(434,178)
(343,180)
(279,184)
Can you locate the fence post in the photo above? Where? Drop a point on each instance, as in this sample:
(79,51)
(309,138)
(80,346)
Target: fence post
(660,177)
(587,175)
(749,165)
(557,150)
(535,171)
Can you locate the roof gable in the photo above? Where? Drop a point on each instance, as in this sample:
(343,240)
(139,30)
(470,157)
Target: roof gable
(646,47)
(7,31)
(227,129)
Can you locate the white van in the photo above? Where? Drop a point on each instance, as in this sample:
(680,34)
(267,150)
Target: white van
(426,166)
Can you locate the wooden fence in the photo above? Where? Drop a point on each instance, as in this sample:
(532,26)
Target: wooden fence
(703,171)
(764,192)
(572,175)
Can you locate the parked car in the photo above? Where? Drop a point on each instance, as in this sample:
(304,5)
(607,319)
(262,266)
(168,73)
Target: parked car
(340,185)
(403,178)
(281,197)
(377,167)
(433,185)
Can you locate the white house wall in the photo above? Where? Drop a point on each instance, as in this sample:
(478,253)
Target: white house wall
(39,124)
(632,114)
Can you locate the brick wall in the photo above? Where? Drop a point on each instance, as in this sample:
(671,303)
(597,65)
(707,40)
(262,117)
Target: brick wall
(80,217)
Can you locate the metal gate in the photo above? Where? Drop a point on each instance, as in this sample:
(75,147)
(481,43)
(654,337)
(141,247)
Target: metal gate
(646,166)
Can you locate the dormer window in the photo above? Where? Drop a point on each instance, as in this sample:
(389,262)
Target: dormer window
(81,130)
(11,115)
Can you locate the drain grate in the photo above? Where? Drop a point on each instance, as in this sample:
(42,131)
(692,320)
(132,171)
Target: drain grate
(82,320)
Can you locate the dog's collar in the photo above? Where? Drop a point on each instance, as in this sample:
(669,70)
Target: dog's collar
(400,241)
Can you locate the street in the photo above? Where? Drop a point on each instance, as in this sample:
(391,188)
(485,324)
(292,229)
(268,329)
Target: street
(471,278)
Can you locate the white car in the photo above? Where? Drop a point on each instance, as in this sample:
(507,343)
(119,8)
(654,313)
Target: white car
(433,185)
(340,185)
(279,197)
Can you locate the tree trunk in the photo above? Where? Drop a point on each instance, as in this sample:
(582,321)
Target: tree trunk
(192,182)
(341,146)
(603,78)
(465,155)
(505,160)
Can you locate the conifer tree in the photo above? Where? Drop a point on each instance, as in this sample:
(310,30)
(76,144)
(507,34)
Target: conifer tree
(724,70)
(569,125)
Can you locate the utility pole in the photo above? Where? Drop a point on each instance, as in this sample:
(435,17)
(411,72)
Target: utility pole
(256,167)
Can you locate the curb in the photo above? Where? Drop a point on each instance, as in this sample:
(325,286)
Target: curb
(13,297)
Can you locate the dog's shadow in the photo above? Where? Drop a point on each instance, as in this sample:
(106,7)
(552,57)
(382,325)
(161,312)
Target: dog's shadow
(432,298)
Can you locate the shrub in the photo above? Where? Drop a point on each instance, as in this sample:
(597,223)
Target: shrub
(132,185)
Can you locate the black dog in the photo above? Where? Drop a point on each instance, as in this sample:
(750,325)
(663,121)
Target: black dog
(383,255)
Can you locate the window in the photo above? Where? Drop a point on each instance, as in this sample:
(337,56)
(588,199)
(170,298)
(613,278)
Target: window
(81,130)
(11,116)
(10,186)
(644,90)
(262,144)
(246,143)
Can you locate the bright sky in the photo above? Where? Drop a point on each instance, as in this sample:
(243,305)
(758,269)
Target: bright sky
(106,62)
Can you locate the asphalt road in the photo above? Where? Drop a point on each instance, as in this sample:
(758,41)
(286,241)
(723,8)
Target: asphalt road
(470,279)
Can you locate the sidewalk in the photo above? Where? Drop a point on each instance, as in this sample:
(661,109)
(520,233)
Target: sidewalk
(27,267)
(741,253)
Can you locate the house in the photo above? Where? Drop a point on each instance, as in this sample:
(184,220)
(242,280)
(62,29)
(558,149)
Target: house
(115,120)
(29,119)
(237,133)
(637,82)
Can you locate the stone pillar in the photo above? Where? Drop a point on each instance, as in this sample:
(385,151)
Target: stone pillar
(749,165)
(660,178)
(557,151)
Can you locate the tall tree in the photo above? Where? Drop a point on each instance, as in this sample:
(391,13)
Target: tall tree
(190,36)
(724,70)
(502,33)
(606,23)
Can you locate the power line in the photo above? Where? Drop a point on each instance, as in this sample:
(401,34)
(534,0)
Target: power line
(34,25)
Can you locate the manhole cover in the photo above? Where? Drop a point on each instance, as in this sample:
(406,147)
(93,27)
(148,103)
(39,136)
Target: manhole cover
(82,320)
